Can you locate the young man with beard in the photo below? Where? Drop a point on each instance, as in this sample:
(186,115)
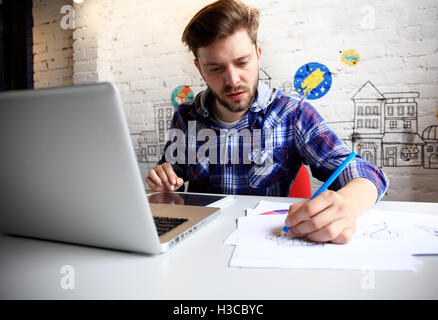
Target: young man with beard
(223,39)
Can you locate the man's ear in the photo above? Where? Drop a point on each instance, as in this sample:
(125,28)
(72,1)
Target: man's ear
(198,66)
(259,52)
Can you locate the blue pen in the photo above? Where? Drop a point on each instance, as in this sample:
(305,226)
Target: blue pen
(327,184)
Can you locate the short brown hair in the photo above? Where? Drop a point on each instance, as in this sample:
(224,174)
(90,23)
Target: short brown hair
(220,19)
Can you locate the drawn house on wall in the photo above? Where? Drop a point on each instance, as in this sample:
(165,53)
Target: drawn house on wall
(150,143)
(430,137)
(148,148)
(368,123)
(386,129)
(163,118)
(401,143)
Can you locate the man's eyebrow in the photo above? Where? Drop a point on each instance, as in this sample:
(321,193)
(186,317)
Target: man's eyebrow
(218,64)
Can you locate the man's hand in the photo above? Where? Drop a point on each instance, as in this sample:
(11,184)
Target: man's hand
(331,216)
(163,178)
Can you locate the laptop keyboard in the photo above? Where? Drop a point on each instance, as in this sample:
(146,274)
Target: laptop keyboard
(165,224)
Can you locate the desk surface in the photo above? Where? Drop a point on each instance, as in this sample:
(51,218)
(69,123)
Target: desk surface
(196,269)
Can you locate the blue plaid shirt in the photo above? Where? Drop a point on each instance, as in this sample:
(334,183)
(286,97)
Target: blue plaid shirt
(292,133)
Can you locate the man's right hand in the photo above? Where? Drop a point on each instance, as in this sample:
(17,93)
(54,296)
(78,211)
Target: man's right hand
(163,178)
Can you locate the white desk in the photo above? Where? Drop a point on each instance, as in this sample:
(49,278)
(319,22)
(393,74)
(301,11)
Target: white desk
(196,269)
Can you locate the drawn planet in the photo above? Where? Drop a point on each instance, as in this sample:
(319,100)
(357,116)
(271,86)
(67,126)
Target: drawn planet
(313,80)
(181,94)
(350,57)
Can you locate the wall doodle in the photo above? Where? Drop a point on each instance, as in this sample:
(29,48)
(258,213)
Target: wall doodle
(313,80)
(350,57)
(181,94)
(386,130)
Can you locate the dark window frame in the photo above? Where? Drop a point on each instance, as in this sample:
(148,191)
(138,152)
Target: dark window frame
(16,45)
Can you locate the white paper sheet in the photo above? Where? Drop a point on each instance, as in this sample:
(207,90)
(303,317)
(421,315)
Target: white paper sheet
(419,230)
(232,239)
(381,263)
(385,240)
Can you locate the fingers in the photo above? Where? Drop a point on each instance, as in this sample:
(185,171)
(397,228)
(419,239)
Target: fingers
(317,222)
(335,232)
(153,185)
(294,207)
(345,236)
(168,174)
(306,209)
(179,183)
(153,178)
(325,218)
(162,177)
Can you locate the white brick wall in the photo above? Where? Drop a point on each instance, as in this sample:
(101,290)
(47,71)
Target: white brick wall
(53,46)
(137,45)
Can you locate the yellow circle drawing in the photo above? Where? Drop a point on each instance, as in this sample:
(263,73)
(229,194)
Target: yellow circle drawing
(350,57)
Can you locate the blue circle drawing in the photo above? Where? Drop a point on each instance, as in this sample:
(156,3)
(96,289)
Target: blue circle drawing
(313,80)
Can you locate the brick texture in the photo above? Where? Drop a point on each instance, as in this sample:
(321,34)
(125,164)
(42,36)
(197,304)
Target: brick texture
(53,46)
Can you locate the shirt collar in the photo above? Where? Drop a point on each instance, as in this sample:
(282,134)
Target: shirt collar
(264,98)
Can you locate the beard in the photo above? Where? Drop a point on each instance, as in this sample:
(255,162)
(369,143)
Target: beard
(238,105)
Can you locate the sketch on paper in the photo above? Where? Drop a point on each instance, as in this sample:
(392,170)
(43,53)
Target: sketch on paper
(288,241)
(432,231)
(376,231)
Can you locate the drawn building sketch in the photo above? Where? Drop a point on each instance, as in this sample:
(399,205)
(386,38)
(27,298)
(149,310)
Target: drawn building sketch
(149,144)
(163,117)
(430,137)
(386,129)
(134,140)
(148,147)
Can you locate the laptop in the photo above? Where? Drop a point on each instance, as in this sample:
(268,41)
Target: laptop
(69,173)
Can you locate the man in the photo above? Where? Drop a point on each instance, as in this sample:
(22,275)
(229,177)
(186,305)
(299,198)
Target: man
(223,39)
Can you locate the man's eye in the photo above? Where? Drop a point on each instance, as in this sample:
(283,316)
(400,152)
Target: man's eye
(215,69)
(242,63)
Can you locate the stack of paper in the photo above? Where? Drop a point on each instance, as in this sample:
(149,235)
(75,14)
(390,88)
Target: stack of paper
(384,240)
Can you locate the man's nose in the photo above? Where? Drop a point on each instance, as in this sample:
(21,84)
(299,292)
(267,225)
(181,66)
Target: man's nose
(232,77)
